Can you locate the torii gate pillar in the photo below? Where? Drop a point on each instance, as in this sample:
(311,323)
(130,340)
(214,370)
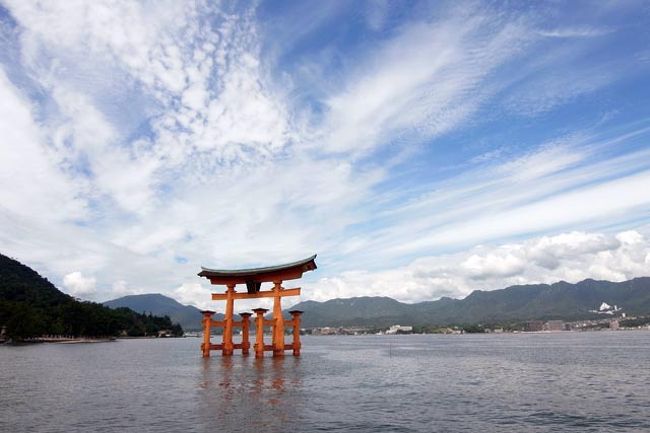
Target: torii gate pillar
(278,320)
(207,325)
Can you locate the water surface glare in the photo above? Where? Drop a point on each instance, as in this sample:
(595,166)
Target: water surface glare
(564,382)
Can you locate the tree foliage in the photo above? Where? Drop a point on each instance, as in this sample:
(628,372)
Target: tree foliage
(30,306)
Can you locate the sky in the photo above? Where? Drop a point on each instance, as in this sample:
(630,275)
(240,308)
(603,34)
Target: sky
(421,149)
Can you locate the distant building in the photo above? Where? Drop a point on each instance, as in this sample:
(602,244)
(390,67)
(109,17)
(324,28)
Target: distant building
(192,334)
(326,330)
(353,331)
(605,308)
(399,329)
(614,325)
(554,325)
(534,326)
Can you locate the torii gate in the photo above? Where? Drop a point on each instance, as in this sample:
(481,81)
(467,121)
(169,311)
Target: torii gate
(253,278)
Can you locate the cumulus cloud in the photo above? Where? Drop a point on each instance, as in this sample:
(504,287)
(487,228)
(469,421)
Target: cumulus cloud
(492,265)
(192,294)
(572,257)
(78,285)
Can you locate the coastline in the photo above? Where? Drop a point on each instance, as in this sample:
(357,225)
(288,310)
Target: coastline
(75,340)
(57,340)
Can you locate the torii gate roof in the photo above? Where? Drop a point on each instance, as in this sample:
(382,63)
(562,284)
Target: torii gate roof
(289,271)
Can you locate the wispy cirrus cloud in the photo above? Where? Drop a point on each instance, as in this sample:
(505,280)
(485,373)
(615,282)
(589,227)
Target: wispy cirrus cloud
(575,32)
(146,139)
(564,184)
(422,83)
(26,164)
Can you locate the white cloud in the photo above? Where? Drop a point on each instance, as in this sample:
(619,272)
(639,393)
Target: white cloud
(422,83)
(575,32)
(121,288)
(194,294)
(198,86)
(32,180)
(630,237)
(557,188)
(571,257)
(586,205)
(143,140)
(437,74)
(493,265)
(553,88)
(78,285)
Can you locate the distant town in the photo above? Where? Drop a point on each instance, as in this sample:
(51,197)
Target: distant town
(613,324)
(610,318)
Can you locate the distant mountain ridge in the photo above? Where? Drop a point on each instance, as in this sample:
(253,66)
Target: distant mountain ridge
(562,300)
(188,316)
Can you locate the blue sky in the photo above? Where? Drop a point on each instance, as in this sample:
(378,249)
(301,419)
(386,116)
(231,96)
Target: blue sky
(422,149)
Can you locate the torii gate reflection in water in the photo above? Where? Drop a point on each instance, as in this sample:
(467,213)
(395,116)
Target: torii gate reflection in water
(253,278)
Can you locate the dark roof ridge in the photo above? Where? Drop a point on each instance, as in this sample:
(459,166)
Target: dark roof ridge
(206,272)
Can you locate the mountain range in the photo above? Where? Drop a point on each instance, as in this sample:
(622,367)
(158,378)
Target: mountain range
(562,300)
(188,316)
(31,305)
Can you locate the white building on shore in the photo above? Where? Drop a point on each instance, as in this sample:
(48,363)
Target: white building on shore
(399,329)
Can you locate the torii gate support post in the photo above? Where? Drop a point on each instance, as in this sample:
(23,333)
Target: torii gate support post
(259,332)
(295,319)
(228,347)
(207,325)
(278,320)
(245,324)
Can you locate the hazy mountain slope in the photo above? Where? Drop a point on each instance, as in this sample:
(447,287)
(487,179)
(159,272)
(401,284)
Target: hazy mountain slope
(188,316)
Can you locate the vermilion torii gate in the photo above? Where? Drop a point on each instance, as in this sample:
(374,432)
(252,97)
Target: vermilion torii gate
(253,279)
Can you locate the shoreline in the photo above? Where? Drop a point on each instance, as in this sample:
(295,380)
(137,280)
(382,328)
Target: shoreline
(47,340)
(75,340)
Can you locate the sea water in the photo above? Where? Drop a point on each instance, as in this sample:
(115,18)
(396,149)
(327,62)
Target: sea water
(564,382)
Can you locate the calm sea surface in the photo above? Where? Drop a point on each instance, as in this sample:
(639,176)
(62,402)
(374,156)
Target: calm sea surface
(565,382)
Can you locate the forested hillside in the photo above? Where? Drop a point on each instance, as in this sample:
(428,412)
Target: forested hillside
(31,306)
